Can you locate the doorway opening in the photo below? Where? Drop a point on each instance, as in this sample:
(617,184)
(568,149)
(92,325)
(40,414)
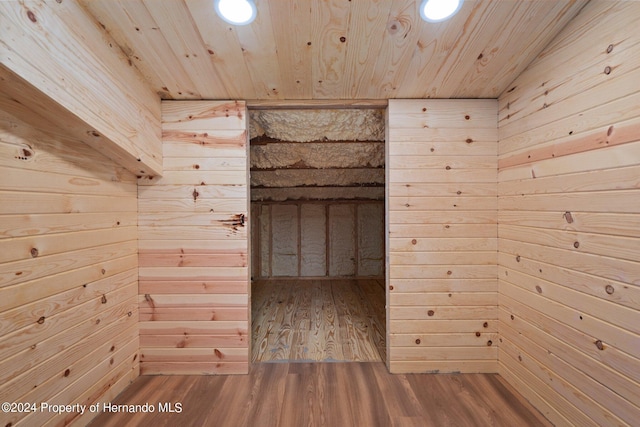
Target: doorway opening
(317,235)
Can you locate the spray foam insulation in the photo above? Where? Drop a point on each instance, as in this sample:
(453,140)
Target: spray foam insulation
(318,125)
(339,154)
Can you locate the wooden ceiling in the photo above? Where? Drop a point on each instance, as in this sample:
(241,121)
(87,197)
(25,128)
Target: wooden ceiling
(333,49)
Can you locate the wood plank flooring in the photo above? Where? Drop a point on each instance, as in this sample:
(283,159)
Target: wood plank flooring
(325,394)
(318,320)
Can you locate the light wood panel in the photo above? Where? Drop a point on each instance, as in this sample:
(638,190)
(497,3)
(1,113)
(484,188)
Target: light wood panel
(331,50)
(193,229)
(569,287)
(69,273)
(442,235)
(318,239)
(59,66)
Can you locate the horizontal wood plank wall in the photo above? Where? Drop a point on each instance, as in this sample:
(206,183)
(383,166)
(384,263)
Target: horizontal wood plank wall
(60,62)
(442,230)
(68,275)
(193,225)
(569,221)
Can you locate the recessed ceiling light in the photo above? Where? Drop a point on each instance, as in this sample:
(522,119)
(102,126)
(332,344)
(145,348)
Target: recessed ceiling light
(236,12)
(439,10)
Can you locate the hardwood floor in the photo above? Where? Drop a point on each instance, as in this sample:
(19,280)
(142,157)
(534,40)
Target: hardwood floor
(325,394)
(318,320)
(295,321)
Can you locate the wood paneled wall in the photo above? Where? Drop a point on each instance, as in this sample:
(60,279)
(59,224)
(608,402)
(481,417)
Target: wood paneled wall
(442,216)
(569,222)
(318,239)
(68,274)
(193,225)
(62,63)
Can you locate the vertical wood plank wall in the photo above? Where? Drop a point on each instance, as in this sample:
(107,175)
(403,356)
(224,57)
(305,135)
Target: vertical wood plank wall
(569,222)
(318,238)
(442,229)
(68,274)
(193,225)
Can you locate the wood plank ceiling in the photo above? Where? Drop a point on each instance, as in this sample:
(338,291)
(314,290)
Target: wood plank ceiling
(332,49)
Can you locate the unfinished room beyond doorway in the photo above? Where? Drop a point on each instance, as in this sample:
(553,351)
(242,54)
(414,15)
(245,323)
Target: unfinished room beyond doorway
(317,234)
